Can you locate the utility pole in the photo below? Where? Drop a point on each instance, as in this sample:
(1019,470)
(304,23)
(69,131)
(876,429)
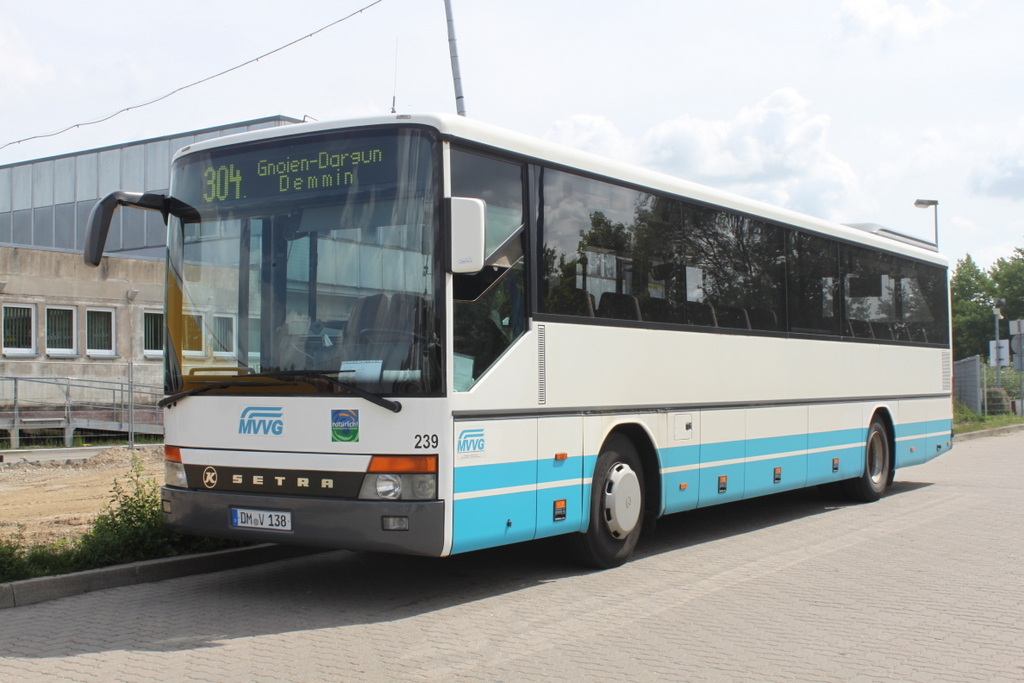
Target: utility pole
(460,104)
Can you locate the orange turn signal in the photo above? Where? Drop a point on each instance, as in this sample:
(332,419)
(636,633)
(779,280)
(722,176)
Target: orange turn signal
(172,453)
(393,464)
(561,456)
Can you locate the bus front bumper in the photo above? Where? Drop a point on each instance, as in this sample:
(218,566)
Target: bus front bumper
(330,523)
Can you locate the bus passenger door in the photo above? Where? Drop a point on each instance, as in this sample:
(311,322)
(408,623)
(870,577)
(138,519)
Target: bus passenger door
(495,485)
(559,475)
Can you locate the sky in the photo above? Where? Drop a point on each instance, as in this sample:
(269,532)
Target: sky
(844,109)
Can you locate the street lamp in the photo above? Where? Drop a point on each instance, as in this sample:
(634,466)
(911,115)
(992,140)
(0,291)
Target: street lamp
(997,314)
(924,204)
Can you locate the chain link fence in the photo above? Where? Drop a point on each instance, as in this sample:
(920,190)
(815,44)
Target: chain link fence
(985,391)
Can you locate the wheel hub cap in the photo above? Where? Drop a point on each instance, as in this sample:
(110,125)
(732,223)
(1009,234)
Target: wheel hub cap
(622,500)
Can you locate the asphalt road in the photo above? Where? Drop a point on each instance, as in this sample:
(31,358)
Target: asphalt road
(924,585)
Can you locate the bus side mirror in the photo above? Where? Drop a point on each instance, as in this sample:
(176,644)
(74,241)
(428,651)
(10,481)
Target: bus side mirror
(103,213)
(468,226)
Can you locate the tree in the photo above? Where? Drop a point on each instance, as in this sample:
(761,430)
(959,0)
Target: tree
(1007,276)
(971,291)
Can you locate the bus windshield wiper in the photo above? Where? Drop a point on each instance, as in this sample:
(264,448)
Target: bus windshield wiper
(309,376)
(174,398)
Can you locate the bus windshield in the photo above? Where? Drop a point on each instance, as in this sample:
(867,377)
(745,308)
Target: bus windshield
(302,258)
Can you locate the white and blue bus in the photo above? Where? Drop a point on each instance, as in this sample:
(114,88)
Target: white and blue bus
(428,335)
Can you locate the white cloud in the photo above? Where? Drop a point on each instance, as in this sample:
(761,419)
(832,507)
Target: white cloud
(594,134)
(775,151)
(18,68)
(1000,177)
(887,21)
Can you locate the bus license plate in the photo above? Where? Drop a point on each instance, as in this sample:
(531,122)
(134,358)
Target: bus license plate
(278,520)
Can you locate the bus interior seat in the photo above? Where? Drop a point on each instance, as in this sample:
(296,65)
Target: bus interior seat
(732,316)
(656,310)
(368,314)
(699,313)
(618,306)
(581,303)
(406,322)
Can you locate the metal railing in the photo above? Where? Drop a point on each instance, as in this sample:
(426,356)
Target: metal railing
(73,403)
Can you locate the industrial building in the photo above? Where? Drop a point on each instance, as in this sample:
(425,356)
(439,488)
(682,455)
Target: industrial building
(73,335)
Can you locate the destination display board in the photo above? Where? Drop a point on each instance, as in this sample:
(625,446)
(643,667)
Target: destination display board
(322,166)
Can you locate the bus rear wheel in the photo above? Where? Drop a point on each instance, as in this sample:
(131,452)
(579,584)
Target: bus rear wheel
(616,507)
(871,484)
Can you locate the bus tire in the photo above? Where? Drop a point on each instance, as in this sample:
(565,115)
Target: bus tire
(617,499)
(872,483)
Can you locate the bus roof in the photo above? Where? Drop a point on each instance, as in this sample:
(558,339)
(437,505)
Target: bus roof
(461,128)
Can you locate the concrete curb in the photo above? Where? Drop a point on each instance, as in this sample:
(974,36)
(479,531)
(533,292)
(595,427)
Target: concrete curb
(32,591)
(967,436)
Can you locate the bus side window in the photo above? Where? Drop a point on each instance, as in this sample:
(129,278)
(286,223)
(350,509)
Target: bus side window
(489,308)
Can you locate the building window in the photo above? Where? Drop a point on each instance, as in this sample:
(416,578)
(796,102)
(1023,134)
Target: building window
(19,330)
(152,334)
(60,330)
(99,332)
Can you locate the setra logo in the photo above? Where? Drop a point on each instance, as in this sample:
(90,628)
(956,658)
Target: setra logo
(471,441)
(261,421)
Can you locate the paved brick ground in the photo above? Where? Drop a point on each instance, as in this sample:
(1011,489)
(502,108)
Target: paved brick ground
(925,585)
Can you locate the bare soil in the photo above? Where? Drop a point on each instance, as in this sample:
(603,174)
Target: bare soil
(46,502)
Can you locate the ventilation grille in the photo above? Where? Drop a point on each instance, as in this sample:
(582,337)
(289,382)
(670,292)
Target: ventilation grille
(947,371)
(542,372)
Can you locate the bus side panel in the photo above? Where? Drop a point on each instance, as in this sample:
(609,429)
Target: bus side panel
(495,483)
(940,426)
(911,434)
(680,463)
(559,481)
(835,442)
(776,442)
(722,454)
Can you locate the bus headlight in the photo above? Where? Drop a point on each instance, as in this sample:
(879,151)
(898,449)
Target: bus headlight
(174,474)
(399,487)
(389,486)
(422,486)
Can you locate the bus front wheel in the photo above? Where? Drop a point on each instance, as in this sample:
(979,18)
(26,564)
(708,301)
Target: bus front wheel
(616,507)
(871,484)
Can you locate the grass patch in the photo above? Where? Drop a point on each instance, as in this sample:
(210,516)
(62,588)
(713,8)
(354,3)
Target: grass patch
(966,420)
(129,529)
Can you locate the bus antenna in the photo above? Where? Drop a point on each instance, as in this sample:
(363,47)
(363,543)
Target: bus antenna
(460,104)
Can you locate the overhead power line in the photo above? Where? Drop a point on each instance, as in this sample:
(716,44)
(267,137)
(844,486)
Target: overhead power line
(190,85)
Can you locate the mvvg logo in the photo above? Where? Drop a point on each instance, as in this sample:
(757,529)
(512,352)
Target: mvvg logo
(471,441)
(258,420)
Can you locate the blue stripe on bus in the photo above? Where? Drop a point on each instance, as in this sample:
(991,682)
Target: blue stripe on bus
(499,475)
(922,428)
(493,520)
(776,444)
(838,437)
(550,469)
(483,522)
